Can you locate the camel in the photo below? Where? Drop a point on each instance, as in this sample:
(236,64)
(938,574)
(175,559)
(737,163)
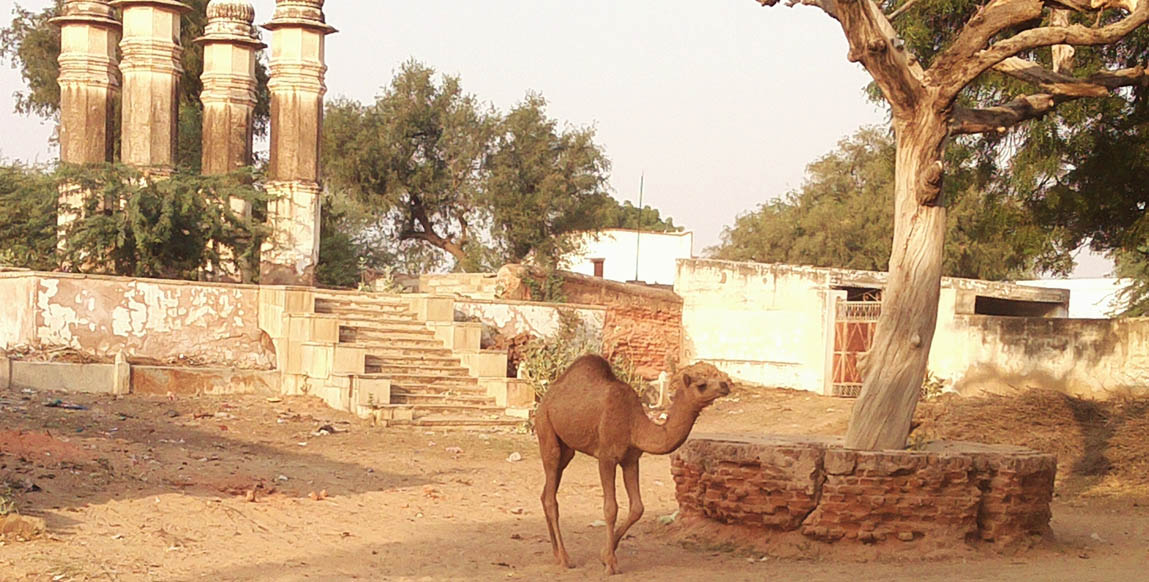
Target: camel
(588,409)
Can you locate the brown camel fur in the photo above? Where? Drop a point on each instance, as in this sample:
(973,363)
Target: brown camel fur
(588,409)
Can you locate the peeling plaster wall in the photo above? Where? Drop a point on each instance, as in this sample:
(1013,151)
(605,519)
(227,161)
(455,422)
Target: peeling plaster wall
(512,318)
(1085,357)
(148,320)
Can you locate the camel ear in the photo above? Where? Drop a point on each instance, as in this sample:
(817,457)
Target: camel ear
(686,379)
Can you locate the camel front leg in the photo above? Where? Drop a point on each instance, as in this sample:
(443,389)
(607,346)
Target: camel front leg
(606,471)
(630,480)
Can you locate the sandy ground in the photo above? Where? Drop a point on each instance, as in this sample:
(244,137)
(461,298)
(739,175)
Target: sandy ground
(157,489)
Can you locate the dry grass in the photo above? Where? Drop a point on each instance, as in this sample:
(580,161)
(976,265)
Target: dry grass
(1090,438)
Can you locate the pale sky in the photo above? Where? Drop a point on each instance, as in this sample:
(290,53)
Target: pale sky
(721,102)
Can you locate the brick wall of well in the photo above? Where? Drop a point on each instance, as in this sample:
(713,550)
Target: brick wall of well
(949,494)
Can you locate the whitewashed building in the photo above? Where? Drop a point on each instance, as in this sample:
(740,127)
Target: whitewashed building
(630,255)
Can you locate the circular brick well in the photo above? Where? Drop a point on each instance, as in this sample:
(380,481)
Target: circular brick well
(805,491)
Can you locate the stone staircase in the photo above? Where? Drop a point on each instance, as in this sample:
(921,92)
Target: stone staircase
(399,358)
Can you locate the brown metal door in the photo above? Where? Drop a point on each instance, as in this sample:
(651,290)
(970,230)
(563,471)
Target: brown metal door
(853,336)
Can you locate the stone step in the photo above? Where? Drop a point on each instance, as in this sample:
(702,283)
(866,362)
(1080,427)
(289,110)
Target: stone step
(438,357)
(382,323)
(423,369)
(388,345)
(462,410)
(365,313)
(432,380)
(444,421)
(360,297)
(383,335)
(436,389)
(420,399)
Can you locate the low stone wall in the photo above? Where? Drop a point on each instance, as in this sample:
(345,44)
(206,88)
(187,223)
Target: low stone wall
(148,321)
(945,496)
(512,318)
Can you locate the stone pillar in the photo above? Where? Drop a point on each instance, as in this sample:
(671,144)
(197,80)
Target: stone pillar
(151,68)
(89,86)
(230,44)
(298,34)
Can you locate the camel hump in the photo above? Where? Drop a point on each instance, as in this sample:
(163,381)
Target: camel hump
(590,367)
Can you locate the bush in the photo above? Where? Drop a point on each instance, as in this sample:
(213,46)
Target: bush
(545,359)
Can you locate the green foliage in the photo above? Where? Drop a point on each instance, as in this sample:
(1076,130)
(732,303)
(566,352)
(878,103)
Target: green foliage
(843,217)
(1080,170)
(629,216)
(413,157)
(32,45)
(543,183)
(442,172)
(348,245)
(545,359)
(27,218)
(1134,265)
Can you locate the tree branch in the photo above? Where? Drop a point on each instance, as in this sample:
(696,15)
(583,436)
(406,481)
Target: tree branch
(874,43)
(1059,89)
(968,57)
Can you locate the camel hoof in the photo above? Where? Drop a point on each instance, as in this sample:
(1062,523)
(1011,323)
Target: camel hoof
(610,564)
(564,561)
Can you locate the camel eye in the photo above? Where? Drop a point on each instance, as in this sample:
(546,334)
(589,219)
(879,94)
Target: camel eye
(703,387)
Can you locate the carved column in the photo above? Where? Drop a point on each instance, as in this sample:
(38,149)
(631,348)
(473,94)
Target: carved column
(89,86)
(151,68)
(298,34)
(230,44)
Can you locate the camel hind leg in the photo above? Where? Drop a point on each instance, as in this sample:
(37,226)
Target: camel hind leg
(630,480)
(556,456)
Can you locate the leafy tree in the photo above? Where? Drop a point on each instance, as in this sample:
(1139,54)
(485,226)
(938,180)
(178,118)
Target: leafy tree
(930,86)
(629,216)
(1080,167)
(438,170)
(414,156)
(843,217)
(543,183)
(32,45)
(27,218)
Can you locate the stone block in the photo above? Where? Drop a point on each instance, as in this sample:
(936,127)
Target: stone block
(62,377)
(349,360)
(371,393)
(316,359)
(485,364)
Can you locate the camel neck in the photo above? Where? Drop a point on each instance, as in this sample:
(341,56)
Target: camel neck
(660,439)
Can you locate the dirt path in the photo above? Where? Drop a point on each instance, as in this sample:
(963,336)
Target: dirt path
(139,489)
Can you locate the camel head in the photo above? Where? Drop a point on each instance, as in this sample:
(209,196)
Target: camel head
(701,384)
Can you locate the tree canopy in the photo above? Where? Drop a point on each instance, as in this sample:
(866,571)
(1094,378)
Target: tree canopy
(843,217)
(442,180)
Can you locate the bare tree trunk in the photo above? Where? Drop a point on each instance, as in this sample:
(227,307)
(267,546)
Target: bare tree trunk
(896,364)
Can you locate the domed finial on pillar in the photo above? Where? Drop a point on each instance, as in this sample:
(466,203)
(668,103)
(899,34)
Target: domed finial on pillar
(298,33)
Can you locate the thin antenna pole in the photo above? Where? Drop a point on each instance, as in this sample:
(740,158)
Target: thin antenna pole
(638,230)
